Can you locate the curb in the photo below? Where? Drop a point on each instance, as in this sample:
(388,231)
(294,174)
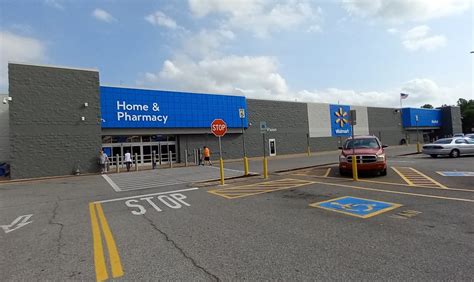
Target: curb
(408,154)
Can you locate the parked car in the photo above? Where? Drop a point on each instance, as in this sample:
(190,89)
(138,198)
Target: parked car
(470,135)
(370,155)
(458,135)
(454,147)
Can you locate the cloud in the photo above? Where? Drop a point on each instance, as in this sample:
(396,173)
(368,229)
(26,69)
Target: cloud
(392,30)
(54,4)
(226,75)
(399,11)
(18,49)
(261,17)
(207,43)
(418,38)
(103,15)
(160,19)
(421,91)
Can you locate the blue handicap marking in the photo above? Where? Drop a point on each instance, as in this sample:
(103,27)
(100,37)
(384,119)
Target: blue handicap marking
(359,207)
(456,173)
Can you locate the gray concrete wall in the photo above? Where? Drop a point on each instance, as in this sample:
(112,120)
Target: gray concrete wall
(451,121)
(4,131)
(386,124)
(289,118)
(47,136)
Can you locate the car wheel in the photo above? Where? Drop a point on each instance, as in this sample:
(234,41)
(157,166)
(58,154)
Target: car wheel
(342,172)
(454,153)
(383,172)
(434,156)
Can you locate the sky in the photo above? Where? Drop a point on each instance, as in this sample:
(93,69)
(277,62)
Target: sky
(357,52)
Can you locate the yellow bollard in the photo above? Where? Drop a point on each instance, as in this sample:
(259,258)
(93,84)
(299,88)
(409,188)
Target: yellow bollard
(221,165)
(418,147)
(246,166)
(265,168)
(355,177)
(309,151)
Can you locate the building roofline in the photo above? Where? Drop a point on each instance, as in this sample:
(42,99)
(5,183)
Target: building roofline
(53,66)
(165,90)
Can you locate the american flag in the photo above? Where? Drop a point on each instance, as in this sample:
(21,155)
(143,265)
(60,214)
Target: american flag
(403,96)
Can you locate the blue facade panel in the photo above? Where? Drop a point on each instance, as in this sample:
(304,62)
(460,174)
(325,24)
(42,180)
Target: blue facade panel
(139,108)
(426,117)
(340,125)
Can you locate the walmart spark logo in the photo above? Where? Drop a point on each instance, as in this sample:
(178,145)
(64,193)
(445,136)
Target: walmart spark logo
(341,117)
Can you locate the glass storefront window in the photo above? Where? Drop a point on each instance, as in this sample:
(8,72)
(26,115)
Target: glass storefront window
(158,138)
(146,138)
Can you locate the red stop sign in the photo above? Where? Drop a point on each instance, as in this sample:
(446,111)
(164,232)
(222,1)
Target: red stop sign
(218,127)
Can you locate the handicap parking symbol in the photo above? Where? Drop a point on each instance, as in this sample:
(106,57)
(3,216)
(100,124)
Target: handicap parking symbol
(456,173)
(359,207)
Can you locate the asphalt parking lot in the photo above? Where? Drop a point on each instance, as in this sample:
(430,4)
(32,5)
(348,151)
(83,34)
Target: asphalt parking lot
(300,224)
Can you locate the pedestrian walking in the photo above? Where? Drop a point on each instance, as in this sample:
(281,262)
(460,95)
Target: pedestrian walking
(103,160)
(128,160)
(207,155)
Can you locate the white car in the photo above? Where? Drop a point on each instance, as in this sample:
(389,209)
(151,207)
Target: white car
(453,147)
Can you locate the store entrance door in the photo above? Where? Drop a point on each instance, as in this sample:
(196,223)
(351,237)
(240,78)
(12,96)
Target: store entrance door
(143,150)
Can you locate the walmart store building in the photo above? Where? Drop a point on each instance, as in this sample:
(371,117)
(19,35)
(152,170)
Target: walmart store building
(59,118)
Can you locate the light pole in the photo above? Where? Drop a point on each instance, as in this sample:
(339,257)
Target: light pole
(246,161)
(417,135)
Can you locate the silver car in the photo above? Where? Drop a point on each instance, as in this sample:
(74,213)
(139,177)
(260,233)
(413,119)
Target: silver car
(454,147)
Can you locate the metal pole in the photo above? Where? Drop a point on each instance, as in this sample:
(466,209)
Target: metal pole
(153,160)
(170,158)
(265,163)
(246,161)
(185,157)
(136,162)
(355,176)
(221,162)
(117,167)
(159,155)
(309,148)
(417,137)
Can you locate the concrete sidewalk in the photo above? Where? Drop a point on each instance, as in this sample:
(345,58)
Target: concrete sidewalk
(289,162)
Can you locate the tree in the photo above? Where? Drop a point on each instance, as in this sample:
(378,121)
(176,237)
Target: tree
(427,106)
(467,114)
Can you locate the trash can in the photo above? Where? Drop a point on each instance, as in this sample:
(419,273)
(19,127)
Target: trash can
(4,169)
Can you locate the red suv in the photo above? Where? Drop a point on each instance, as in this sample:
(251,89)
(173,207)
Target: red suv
(370,155)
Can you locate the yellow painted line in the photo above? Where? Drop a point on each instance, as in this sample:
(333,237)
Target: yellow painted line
(396,192)
(392,207)
(99,259)
(403,177)
(117,270)
(401,184)
(289,183)
(431,179)
(327,172)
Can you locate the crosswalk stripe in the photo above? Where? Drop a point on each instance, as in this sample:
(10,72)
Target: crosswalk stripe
(259,188)
(414,177)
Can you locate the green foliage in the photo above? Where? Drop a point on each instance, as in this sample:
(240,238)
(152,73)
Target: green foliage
(467,114)
(427,106)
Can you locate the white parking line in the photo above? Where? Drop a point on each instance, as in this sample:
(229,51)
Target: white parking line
(112,183)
